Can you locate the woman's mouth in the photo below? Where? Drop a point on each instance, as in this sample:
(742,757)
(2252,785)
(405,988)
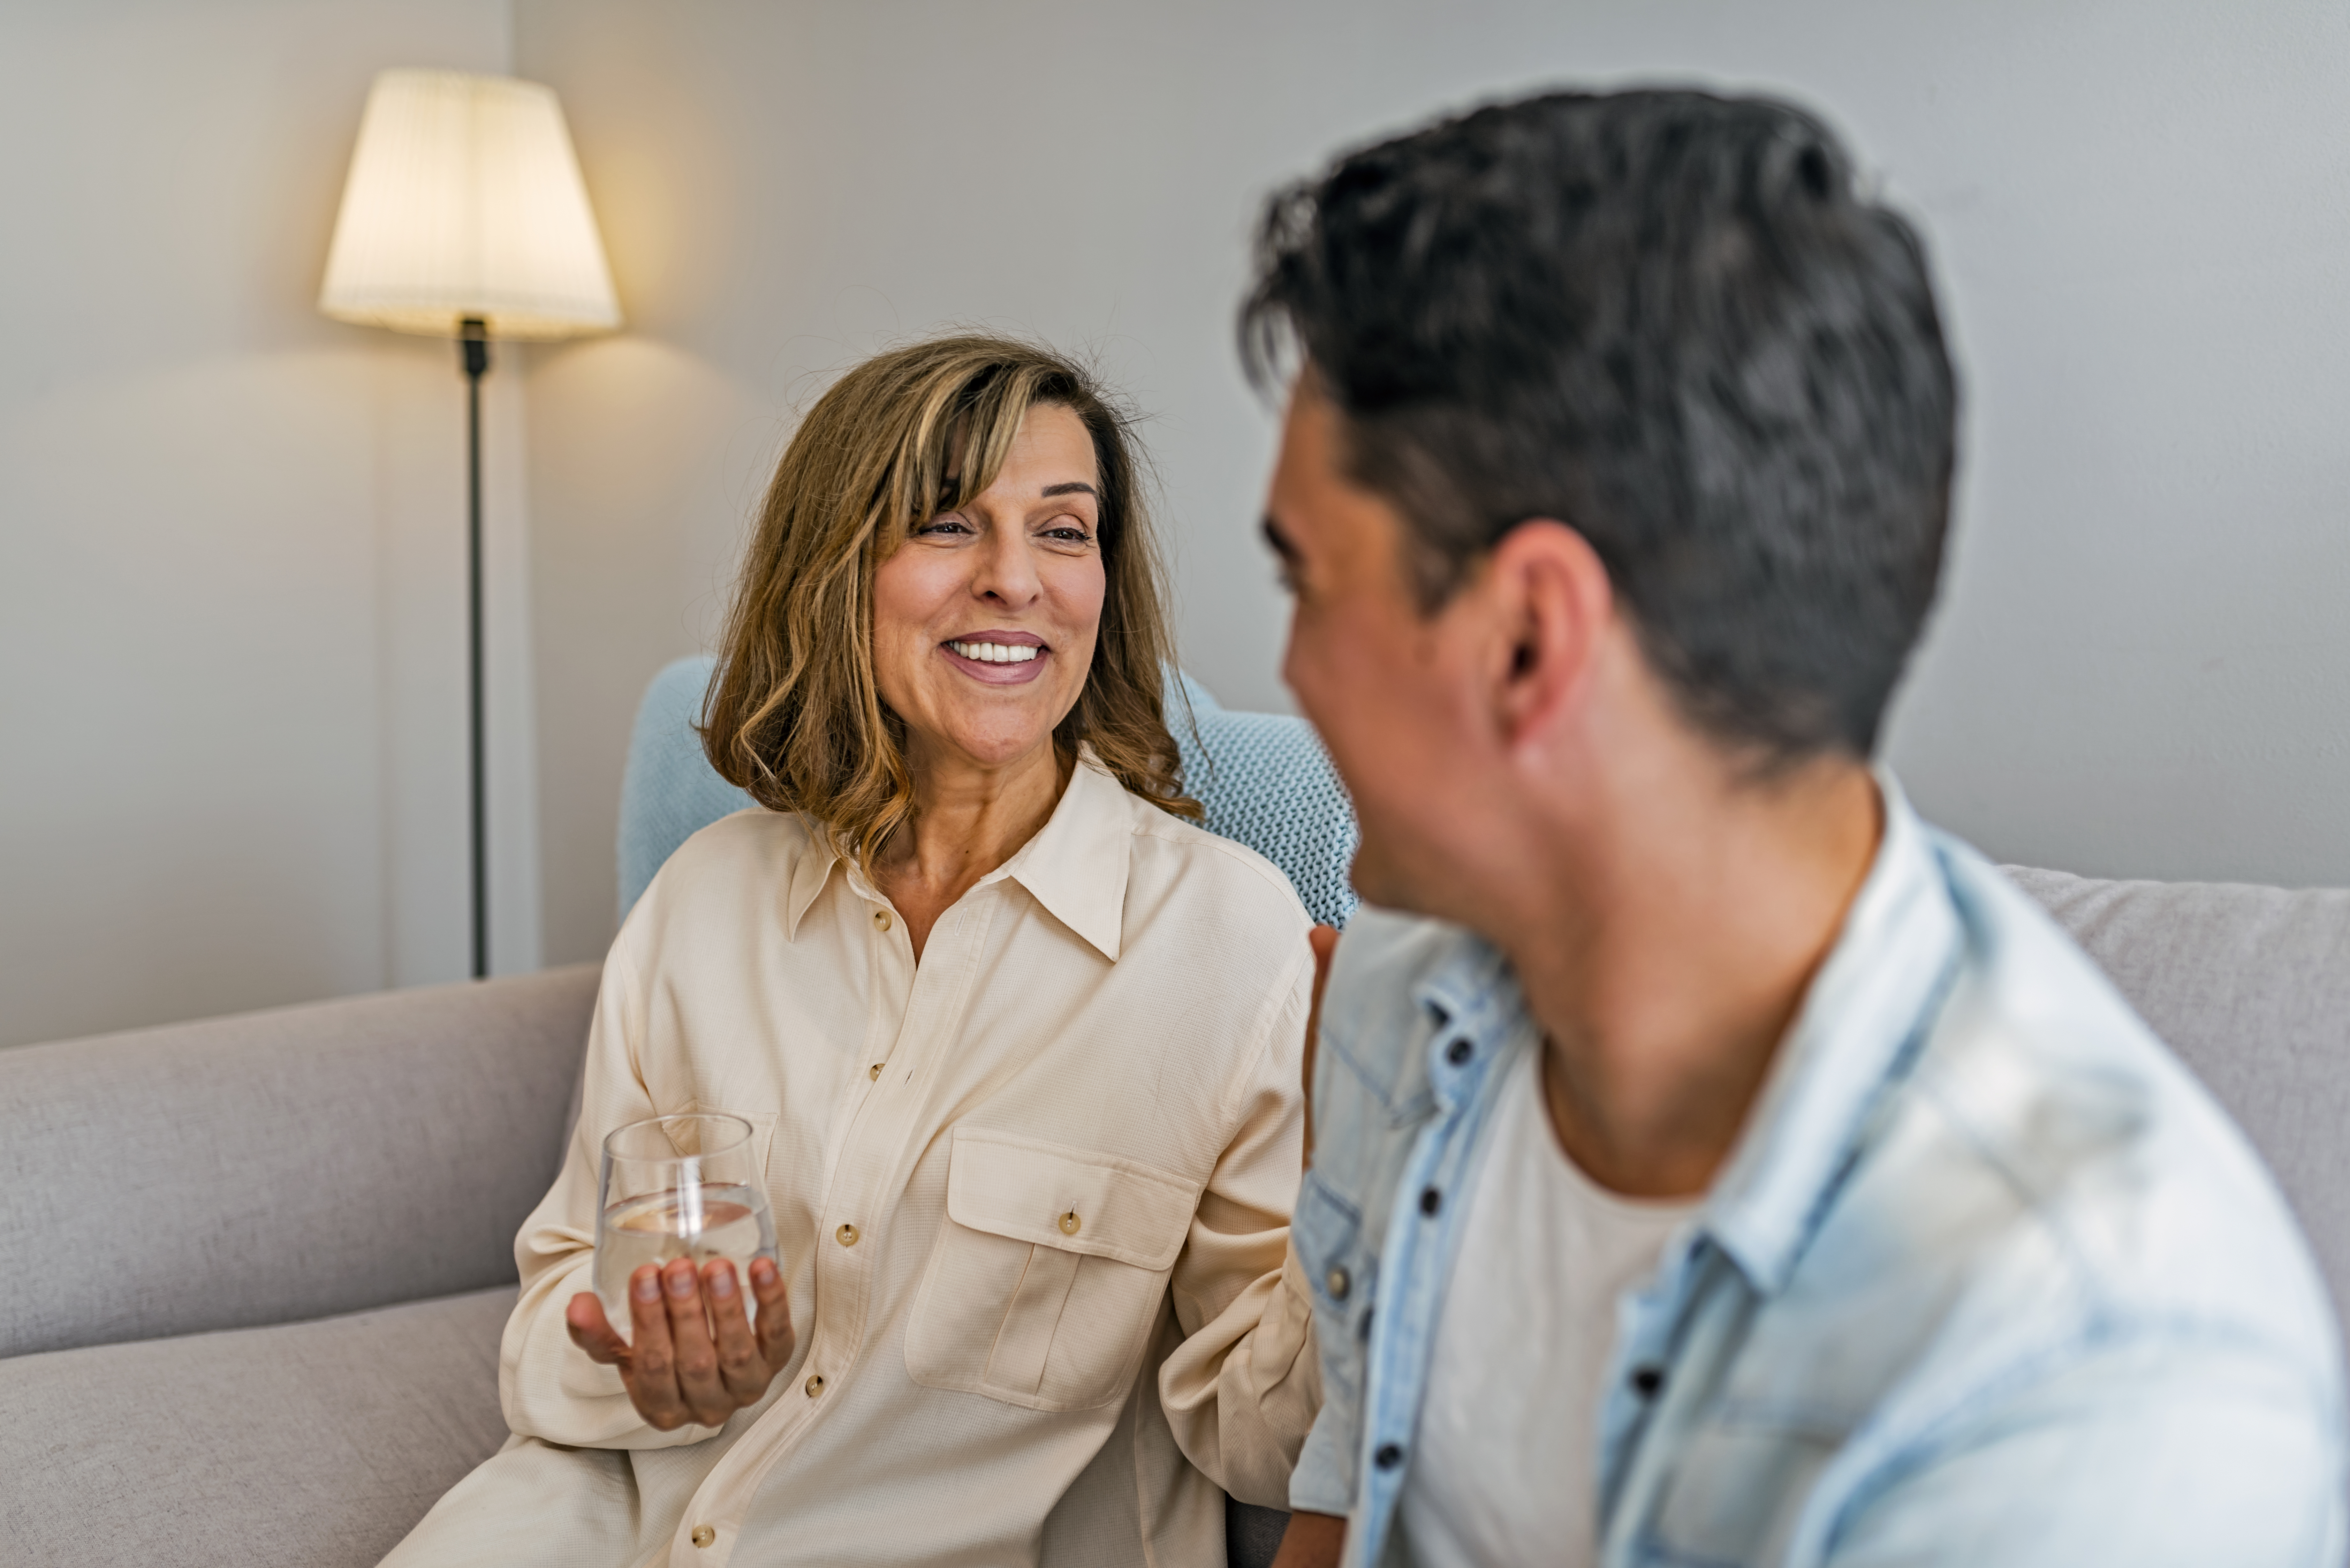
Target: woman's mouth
(1012,659)
(996,652)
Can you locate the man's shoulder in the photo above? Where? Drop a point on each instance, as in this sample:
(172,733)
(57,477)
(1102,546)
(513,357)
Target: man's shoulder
(1394,981)
(2051,1148)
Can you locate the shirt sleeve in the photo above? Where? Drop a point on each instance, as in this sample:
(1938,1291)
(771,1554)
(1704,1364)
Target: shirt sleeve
(1242,1389)
(2155,1453)
(549,1387)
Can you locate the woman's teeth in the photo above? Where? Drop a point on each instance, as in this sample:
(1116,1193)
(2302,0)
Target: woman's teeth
(996,652)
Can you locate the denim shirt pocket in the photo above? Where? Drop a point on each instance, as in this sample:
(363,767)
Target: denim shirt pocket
(1342,1271)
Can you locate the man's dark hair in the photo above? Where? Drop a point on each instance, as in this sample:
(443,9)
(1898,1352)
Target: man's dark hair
(1668,320)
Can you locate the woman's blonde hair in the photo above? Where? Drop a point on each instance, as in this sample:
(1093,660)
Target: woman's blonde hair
(792,714)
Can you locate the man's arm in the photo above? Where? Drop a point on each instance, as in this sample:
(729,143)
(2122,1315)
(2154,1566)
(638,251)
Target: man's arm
(1312,1540)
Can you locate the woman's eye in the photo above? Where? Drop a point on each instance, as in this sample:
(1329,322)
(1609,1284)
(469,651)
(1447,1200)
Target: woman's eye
(944,525)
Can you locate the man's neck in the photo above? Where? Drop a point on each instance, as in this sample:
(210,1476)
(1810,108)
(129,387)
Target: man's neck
(1666,948)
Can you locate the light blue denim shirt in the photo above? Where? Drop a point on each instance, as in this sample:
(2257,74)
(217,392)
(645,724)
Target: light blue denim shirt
(1989,1279)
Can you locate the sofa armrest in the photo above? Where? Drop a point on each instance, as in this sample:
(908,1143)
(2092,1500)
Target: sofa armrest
(280,1164)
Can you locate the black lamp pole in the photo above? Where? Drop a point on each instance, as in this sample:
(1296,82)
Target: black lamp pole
(473,342)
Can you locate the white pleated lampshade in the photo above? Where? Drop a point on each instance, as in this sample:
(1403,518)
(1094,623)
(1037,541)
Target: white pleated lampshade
(464,200)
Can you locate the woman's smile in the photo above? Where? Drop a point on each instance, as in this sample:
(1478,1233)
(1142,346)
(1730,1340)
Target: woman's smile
(998,658)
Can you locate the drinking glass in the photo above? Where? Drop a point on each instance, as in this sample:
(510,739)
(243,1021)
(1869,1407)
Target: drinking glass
(678,1187)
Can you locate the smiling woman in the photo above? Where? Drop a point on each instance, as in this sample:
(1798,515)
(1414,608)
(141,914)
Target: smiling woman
(1019,1046)
(989,456)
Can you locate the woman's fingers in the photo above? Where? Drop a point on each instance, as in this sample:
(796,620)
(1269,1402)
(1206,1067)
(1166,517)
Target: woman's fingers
(592,1332)
(740,1367)
(697,1358)
(774,1326)
(652,1372)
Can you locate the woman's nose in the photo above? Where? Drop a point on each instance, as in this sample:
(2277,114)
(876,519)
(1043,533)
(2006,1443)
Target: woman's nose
(1005,574)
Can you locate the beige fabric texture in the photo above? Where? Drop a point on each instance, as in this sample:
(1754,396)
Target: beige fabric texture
(313,1445)
(1109,1026)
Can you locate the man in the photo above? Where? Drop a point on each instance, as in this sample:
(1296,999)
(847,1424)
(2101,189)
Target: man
(1724,1167)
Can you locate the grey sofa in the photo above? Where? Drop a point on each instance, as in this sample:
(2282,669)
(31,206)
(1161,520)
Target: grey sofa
(253,1271)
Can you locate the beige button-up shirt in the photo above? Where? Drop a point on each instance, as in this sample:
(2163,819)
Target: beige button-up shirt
(1031,1197)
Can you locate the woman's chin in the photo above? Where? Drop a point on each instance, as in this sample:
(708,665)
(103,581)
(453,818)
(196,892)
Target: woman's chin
(985,743)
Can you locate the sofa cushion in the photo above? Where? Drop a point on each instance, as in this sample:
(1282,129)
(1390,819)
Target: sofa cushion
(312,1445)
(281,1165)
(2252,986)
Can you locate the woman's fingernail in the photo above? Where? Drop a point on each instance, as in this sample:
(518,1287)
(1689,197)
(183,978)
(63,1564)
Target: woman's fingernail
(722,1281)
(681,1283)
(648,1285)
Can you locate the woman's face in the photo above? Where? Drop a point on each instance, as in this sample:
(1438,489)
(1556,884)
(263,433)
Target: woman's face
(983,620)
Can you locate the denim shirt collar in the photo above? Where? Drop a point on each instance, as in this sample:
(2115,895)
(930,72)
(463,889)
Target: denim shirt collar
(1868,1007)
(1866,1014)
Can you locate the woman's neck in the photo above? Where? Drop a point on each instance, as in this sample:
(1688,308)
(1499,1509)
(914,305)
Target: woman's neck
(968,820)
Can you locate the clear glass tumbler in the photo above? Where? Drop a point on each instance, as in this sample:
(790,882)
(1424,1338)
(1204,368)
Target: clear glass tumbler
(678,1187)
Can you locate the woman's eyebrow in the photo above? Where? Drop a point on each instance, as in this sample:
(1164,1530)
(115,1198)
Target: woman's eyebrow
(1072,487)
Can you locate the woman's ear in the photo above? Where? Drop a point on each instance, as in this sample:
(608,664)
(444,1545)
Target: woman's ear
(1550,600)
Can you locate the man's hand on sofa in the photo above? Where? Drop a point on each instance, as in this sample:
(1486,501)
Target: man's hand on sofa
(675,1370)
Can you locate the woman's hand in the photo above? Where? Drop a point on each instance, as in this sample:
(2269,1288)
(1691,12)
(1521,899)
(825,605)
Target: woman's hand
(694,1356)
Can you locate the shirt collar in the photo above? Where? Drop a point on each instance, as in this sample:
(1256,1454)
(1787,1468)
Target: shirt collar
(1076,866)
(1867,1008)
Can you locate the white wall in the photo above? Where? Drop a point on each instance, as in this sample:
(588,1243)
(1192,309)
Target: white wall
(231,577)
(232,643)
(2138,208)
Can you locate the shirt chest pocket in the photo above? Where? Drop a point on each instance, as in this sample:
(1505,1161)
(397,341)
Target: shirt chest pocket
(1048,1273)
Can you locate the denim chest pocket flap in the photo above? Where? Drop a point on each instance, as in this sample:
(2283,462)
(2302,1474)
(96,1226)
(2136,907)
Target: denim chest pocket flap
(1047,1276)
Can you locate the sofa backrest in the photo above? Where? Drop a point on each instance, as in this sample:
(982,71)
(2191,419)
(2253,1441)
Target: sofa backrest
(2252,986)
(1263,779)
(280,1164)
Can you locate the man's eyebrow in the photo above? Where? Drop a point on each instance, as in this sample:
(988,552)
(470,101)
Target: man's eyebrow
(1073,487)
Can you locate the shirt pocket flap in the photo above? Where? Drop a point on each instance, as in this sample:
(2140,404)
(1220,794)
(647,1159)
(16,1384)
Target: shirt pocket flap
(1075,1201)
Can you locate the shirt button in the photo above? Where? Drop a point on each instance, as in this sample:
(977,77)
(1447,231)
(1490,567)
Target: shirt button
(703,1535)
(1646,1380)
(814,1386)
(1340,1284)
(881,920)
(1459,1053)
(847,1234)
(1430,1202)
(874,1070)
(1388,1457)
(1069,1223)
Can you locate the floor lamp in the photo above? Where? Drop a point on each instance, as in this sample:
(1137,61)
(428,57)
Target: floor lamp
(464,216)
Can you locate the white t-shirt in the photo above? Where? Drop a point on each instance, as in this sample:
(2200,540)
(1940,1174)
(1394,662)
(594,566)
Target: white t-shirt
(1504,1470)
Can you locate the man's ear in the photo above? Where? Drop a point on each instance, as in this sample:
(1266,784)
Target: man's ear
(1552,604)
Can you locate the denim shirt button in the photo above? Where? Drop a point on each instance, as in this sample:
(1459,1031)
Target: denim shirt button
(1648,1380)
(1388,1457)
(1430,1202)
(1459,1053)
(1339,1282)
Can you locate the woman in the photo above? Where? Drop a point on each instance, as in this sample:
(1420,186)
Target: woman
(1020,1042)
